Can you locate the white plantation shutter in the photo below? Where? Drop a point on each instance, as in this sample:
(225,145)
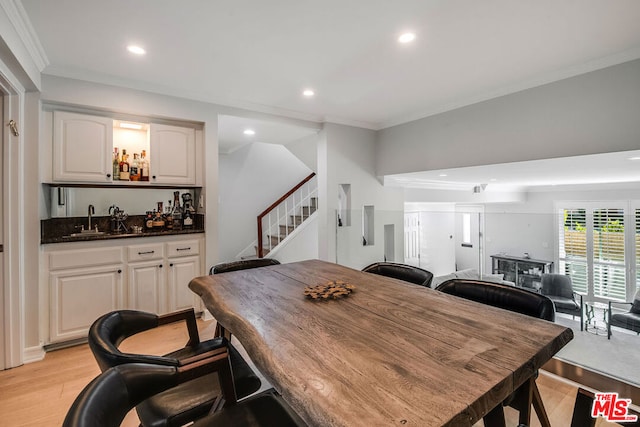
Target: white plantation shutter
(592,248)
(573,247)
(609,271)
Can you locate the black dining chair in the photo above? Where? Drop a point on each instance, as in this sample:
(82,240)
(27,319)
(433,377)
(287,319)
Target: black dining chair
(405,272)
(520,301)
(106,400)
(245,264)
(188,401)
(559,289)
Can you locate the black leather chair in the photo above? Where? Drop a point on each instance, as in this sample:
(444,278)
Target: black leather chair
(244,264)
(404,272)
(629,320)
(559,289)
(186,402)
(110,396)
(512,299)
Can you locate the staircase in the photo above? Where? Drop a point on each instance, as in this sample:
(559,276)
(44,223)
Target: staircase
(281,219)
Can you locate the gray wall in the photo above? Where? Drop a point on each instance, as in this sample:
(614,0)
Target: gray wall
(592,113)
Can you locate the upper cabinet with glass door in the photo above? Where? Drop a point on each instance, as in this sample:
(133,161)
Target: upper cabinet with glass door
(98,150)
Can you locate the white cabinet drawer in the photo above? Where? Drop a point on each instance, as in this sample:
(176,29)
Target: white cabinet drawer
(146,252)
(84,257)
(183,248)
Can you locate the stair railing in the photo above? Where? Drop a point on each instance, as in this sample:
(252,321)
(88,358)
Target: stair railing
(290,206)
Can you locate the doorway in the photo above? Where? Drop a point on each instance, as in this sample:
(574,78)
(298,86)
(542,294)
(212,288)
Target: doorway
(469,225)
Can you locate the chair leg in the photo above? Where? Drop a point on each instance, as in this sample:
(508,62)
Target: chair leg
(582,410)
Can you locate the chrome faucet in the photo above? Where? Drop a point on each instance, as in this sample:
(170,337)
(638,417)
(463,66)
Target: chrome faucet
(92,211)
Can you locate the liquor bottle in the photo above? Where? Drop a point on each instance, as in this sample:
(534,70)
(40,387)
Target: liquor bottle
(177,211)
(187,219)
(134,172)
(116,164)
(168,217)
(149,221)
(144,166)
(124,166)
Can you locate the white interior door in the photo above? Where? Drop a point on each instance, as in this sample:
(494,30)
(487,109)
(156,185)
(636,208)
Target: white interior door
(468,237)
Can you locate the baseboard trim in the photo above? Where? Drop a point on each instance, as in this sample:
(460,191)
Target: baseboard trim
(594,380)
(33,354)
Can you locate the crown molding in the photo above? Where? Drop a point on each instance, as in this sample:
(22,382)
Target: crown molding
(22,25)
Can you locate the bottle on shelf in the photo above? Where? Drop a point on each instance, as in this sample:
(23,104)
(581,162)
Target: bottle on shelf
(144,166)
(177,211)
(134,171)
(168,217)
(124,166)
(149,220)
(116,164)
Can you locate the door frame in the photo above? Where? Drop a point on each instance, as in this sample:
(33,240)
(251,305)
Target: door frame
(11,294)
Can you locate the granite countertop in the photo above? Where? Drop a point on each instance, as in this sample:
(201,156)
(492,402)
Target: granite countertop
(59,230)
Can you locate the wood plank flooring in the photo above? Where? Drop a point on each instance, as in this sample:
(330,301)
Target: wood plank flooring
(39,394)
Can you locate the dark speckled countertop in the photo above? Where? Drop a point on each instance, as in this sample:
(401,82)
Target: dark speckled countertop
(58,230)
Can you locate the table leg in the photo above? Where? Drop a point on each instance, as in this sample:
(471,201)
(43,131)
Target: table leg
(495,417)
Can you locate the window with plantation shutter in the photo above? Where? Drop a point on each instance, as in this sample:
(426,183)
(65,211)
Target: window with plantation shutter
(592,248)
(609,269)
(573,247)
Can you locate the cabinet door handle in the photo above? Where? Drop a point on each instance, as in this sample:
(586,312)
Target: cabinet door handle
(183,249)
(119,271)
(171,265)
(108,175)
(146,252)
(154,177)
(159,265)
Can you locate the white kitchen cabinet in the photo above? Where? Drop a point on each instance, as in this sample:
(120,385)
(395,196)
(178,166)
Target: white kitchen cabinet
(173,155)
(146,276)
(181,271)
(184,264)
(147,286)
(84,283)
(87,279)
(82,147)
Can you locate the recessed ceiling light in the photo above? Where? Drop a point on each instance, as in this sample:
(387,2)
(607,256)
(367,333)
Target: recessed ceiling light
(249,132)
(407,38)
(443,174)
(493,180)
(308,93)
(634,158)
(136,49)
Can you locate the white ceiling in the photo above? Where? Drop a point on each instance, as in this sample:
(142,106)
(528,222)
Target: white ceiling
(260,55)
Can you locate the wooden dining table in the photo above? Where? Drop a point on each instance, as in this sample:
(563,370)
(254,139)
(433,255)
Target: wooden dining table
(389,354)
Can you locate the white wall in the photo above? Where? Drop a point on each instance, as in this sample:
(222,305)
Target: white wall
(251,179)
(301,247)
(306,149)
(592,113)
(346,155)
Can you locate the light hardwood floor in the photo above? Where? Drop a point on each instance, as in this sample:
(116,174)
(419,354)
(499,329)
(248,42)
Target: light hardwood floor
(38,394)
